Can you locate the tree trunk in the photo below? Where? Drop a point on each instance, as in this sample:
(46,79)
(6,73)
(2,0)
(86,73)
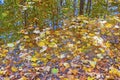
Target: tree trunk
(82,2)
(74,6)
(90,4)
(88,9)
(25,18)
(61,2)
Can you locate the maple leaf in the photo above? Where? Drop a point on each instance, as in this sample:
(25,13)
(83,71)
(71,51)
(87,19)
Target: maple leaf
(41,43)
(90,78)
(14,69)
(34,64)
(108,25)
(34,59)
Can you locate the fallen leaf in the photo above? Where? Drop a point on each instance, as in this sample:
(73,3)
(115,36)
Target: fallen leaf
(90,78)
(34,59)
(92,63)
(41,43)
(108,25)
(54,71)
(14,69)
(10,45)
(34,64)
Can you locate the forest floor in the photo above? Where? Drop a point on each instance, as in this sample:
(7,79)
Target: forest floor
(84,49)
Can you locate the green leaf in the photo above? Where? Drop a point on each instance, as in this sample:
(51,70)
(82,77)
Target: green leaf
(4,14)
(10,45)
(54,70)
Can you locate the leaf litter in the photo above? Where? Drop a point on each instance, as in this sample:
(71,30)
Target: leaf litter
(85,50)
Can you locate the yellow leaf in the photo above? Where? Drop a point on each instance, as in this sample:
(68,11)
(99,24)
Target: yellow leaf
(22,47)
(70,45)
(22,31)
(42,35)
(47,32)
(14,69)
(2,55)
(37,54)
(6,78)
(34,59)
(87,69)
(90,78)
(5,51)
(91,35)
(95,59)
(65,78)
(117,19)
(108,25)
(107,44)
(34,64)
(102,50)
(80,49)
(52,44)
(73,23)
(31,44)
(36,0)
(41,43)
(26,37)
(92,63)
(45,60)
(116,34)
(38,79)
(48,56)
(57,32)
(10,45)
(23,78)
(75,71)
(115,71)
(88,45)
(67,65)
(1,72)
